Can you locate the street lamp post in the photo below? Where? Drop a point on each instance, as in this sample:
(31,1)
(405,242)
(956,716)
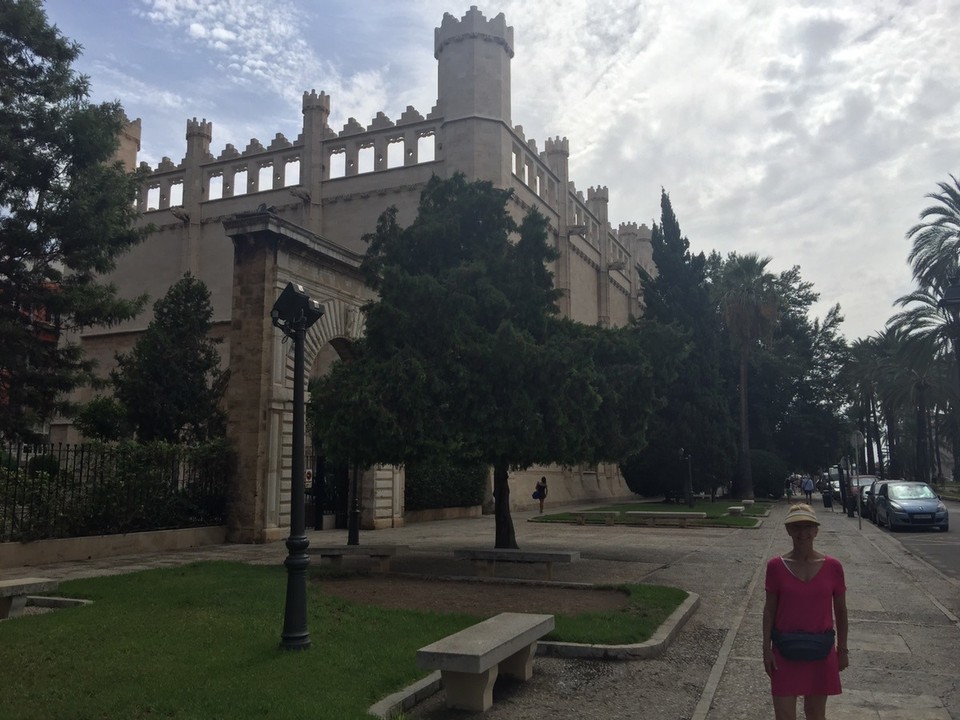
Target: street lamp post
(294,312)
(688,485)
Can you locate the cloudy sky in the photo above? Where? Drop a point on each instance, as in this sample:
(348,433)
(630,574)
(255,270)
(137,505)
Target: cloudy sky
(802,130)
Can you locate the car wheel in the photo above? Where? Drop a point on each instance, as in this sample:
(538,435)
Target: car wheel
(945,527)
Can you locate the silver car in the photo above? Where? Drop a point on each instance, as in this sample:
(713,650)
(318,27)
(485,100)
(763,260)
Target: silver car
(910,504)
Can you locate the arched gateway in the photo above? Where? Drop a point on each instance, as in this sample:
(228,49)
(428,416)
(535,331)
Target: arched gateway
(248,222)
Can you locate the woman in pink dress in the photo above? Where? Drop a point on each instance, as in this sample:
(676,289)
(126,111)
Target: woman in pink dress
(806,594)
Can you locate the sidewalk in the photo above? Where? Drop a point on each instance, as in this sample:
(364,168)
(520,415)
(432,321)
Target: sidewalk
(904,629)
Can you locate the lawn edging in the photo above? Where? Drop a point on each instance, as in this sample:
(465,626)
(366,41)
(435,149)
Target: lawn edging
(651,648)
(403,700)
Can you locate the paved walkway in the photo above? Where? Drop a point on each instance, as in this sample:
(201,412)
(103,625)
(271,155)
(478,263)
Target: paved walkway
(904,633)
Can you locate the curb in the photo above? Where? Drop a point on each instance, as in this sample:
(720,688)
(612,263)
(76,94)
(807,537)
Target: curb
(405,699)
(651,648)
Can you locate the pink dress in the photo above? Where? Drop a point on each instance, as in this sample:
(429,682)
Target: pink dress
(805,607)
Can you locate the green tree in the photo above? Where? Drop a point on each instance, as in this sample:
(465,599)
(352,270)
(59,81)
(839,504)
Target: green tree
(749,304)
(465,359)
(695,418)
(171,383)
(66,213)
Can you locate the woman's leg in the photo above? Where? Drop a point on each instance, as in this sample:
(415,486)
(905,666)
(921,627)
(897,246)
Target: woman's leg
(815,707)
(785,707)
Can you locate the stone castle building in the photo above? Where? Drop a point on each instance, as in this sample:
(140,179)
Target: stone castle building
(318,194)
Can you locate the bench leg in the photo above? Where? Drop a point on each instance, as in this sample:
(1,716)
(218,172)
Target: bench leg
(12,606)
(336,560)
(469,691)
(581,520)
(611,520)
(520,664)
(683,522)
(549,570)
(383,564)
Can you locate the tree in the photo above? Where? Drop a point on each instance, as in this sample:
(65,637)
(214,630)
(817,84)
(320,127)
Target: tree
(464,357)
(695,417)
(171,383)
(66,214)
(748,304)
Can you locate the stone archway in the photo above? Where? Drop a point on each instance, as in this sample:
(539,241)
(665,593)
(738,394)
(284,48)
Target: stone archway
(269,252)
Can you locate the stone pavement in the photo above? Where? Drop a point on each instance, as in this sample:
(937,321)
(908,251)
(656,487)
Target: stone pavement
(904,628)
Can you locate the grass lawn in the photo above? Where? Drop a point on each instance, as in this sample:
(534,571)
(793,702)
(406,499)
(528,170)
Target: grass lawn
(201,641)
(716,513)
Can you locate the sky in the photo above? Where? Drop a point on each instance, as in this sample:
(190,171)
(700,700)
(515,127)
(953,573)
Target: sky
(808,132)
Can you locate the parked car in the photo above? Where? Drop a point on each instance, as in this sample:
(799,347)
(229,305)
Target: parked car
(870,499)
(902,504)
(854,484)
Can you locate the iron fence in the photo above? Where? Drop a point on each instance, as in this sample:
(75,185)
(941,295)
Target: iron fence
(61,490)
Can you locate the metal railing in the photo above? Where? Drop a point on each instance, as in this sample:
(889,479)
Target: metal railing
(56,491)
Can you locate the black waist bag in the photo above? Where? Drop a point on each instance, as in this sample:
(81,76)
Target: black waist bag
(804,646)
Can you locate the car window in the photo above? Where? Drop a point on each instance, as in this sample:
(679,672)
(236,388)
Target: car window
(912,492)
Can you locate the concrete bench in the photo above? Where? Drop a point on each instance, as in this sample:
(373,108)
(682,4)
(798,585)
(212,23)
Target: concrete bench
(608,516)
(747,502)
(673,516)
(470,661)
(736,510)
(486,560)
(13,593)
(382,553)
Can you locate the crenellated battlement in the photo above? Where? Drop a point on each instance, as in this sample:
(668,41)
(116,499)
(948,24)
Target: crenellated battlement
(200,128)
(557,145)
(473,25)
(599,193)
(316,102)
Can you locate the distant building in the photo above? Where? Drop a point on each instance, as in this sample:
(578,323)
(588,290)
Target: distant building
(320,193)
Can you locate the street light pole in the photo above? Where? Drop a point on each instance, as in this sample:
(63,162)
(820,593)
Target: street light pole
(293,313)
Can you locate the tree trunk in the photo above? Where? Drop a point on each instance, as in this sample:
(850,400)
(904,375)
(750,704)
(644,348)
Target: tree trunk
(875,426)
(744,485)
(505,535)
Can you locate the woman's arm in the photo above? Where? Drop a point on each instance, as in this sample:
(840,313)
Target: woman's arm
(769,614)
(840,614)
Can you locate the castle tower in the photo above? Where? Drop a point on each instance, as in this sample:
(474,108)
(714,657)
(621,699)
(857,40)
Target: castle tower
(473,96)
(129,145)
(313,171)
(557,151)
(474,55)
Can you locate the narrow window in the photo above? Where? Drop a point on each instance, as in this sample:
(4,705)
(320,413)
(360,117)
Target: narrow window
(338,165)
(265,178)
(215,187)
(426,149)
(240,183)
(395,154)
(291,173)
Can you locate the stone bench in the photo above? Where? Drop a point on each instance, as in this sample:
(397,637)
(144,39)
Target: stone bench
(470,661)
(736,510)
(747,502)
(608,516)
(673,516)
(382,553)
(486,560)
(13,593)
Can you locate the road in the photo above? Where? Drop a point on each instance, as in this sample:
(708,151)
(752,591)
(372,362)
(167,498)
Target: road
(940,549)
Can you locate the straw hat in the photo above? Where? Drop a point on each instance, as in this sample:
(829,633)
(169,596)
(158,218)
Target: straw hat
(801,512)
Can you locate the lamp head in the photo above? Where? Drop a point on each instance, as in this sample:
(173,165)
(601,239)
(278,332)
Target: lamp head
(294,306)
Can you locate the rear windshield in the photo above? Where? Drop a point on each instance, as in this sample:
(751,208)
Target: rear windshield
(911,492)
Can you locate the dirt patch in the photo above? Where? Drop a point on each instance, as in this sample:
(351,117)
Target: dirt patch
(474,598)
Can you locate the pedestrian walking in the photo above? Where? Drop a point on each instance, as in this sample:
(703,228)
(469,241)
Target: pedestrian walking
(804,622)
(807,486)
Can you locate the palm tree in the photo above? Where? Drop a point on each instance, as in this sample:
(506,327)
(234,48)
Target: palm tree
(935,262)
(936,240)
(749,306)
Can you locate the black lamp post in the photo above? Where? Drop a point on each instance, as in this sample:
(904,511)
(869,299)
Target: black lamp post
(293,313)
(688,484)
